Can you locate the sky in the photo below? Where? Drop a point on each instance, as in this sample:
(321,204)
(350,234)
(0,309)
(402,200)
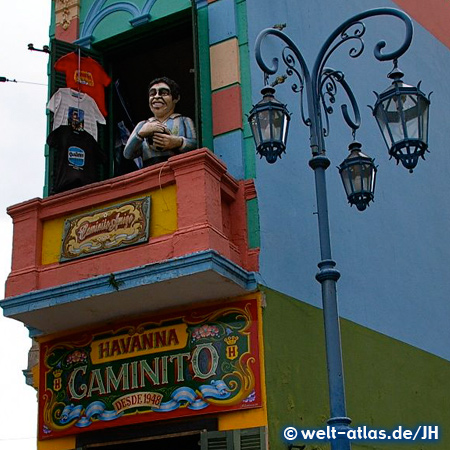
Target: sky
(23,124)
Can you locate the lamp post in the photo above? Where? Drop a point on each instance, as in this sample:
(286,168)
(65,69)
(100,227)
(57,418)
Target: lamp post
(402,115)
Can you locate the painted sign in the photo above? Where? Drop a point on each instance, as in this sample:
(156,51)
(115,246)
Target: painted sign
(202,361)
(106,229)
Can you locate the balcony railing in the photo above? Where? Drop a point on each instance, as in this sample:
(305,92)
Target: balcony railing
(196,247)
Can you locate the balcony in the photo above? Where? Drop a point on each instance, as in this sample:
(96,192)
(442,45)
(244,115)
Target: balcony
(196,247)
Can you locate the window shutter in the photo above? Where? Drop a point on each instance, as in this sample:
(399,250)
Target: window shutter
(59,49)
(216,440)
(196,68)
(58,80)
(253,439)
(247,439)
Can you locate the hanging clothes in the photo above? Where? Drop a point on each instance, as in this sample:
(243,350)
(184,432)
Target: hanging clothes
(67,103)
(85,74)
(78,156)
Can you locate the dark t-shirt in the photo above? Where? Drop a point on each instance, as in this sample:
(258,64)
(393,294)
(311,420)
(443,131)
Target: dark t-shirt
(77,158)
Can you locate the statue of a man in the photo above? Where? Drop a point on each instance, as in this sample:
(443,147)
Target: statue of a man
(167,133)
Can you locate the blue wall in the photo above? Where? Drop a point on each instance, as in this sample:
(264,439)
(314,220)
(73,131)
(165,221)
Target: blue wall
(394,257)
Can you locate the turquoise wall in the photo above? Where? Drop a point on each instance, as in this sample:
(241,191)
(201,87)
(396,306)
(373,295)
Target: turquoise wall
(394,256)
(104,19)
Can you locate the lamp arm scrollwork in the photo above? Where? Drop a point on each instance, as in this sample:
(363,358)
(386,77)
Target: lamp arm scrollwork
(290,55)
(352,31)
(303,75)
(328,90)
(322,83)
(289,61)
(273,68)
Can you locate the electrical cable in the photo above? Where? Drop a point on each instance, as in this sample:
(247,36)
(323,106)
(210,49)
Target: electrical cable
(4,80)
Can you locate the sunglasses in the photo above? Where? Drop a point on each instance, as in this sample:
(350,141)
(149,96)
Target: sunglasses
(162,92)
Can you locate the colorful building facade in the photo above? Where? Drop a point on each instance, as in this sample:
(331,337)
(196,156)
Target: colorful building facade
(176,305)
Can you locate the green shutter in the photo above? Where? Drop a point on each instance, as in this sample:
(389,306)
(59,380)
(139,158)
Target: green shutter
(247,439)
(58,50)
(203,74)
(57,80)
(215,440)
(253,439)
(195,40)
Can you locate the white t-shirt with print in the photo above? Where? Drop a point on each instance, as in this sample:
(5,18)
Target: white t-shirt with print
(68,103)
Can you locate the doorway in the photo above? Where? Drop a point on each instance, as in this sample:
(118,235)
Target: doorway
(185,441)
(163,48)
(132,63)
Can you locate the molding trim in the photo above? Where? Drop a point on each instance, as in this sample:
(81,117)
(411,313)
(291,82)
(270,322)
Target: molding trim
(169,270)
(98,12)
(200,3)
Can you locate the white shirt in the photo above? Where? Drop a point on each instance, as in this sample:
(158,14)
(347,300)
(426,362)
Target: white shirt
(65,102)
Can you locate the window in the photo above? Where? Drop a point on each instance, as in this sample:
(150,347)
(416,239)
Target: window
(246,439)
(132,60)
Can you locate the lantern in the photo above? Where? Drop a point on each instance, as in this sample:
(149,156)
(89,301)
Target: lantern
(269,122)
(358,172)
(402,115)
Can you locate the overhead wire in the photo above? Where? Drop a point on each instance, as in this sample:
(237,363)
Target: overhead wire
(45,49)
(4,80)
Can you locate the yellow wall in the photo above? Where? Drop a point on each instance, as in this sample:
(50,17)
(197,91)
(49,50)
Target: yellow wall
(163,220)
(66,443)
(254,417)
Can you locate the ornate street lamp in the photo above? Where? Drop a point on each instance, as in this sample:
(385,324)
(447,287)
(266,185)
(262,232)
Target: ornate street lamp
(402,115)
(269,121)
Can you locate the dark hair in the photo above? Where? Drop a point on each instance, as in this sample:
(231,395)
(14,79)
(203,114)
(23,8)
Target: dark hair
(173,85)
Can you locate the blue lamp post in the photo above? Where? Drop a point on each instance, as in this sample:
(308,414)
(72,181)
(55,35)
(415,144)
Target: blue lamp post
(402,115)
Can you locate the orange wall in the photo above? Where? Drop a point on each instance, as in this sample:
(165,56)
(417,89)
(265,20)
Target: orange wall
(434,15)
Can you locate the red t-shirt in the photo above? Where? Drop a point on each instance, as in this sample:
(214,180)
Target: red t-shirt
(89,78)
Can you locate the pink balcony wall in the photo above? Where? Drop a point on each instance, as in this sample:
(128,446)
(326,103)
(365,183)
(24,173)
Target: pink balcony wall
(211,215)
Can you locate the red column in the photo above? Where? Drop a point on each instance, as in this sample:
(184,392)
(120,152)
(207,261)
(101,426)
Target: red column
(27,247)
(198,176)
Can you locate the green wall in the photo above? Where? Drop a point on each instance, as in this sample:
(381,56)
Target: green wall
(388,383)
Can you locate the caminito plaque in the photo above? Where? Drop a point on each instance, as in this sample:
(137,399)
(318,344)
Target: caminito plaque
(106,229)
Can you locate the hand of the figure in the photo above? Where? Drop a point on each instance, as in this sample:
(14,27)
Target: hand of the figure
(167,141)
(149,128)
